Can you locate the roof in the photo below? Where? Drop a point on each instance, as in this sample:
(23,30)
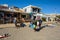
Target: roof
(32,7)
(13,10)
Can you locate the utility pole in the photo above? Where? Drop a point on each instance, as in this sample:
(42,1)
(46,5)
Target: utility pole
(56,14)
(55,11)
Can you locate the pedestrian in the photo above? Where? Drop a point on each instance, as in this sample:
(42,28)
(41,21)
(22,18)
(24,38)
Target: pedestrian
(32,25)
(40,22)
(22,24)
(38,25)
(15,21)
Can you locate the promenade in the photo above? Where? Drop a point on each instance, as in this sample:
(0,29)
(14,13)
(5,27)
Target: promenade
(26,33)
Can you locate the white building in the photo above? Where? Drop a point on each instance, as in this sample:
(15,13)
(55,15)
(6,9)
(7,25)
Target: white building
(6,5)
(33,10)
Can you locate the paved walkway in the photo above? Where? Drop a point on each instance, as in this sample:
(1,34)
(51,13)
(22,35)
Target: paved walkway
(12,25)
(6,25)
(26,33)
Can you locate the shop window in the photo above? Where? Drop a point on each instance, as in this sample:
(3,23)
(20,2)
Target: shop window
(1,15)
(15,15)
(23,16)
(9,15)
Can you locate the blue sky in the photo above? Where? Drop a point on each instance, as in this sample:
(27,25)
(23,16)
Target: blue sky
(48,6)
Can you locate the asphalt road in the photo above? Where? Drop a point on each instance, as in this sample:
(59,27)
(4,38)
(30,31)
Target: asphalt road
(26,33)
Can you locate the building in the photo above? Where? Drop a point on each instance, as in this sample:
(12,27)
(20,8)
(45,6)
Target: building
(51,17)
(7,14)
(34,11)
(29,12)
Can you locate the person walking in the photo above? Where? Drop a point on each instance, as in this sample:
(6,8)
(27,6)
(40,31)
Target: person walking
(15,21)
(40,22)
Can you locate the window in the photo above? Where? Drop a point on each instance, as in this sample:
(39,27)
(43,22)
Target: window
(34,18)
(23,16)
(1,15)
(15,15)
(25,10)
(36,10)
(8,15)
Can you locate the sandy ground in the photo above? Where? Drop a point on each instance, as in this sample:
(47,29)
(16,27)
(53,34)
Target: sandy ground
(26,33)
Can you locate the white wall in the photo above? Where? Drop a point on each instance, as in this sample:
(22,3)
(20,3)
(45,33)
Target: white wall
(28,9)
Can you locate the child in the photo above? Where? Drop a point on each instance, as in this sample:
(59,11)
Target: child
(32,25)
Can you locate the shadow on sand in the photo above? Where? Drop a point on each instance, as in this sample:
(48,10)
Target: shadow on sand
(38,29)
